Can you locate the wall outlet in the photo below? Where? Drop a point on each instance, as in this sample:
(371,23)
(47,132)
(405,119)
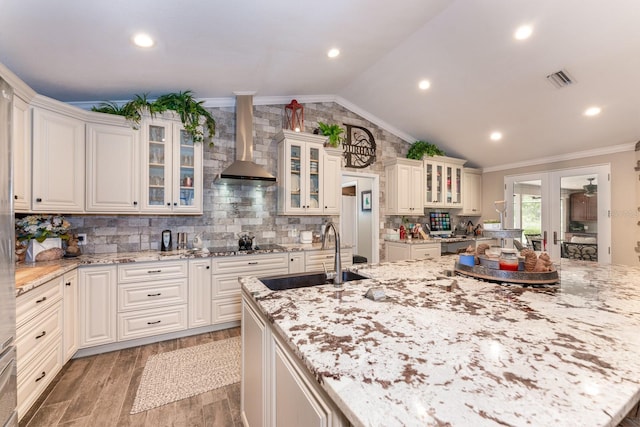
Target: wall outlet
(82,239)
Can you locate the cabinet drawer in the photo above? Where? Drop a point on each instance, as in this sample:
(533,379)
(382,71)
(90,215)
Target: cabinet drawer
(148,295)
(315,259)
(421,252)
(38,333)
(144,323)
(147,271)
(226,309)
(248,265)
(38,300)
(37,376)
(228,284)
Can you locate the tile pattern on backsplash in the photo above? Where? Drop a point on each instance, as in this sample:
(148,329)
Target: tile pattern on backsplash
(234,209)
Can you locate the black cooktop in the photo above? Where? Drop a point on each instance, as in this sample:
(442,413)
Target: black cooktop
(261,248)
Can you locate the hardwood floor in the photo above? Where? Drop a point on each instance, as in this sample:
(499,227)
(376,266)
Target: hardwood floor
(100,390)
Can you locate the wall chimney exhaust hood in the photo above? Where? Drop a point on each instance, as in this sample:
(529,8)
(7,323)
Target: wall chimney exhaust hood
(244,170)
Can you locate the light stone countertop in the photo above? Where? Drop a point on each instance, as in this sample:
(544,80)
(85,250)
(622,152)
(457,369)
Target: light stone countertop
(457,351)
(30,276)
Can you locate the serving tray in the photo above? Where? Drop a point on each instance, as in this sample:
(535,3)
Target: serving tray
(504,276)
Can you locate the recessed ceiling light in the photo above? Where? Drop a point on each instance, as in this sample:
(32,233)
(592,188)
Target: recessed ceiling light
(592,111)
(424,84)
(523,32)
(496,136)
(333,53)
(143,40)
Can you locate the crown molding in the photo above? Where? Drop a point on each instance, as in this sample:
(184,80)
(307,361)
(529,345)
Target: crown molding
(564,157)
(20,88)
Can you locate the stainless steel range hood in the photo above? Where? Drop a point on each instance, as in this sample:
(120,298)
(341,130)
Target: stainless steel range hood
(244,170)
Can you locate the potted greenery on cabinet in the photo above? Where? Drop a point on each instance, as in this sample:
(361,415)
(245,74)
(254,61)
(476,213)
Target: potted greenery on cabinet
(421,148)
(191,112)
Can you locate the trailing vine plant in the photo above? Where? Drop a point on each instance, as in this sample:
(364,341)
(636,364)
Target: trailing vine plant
(191,112)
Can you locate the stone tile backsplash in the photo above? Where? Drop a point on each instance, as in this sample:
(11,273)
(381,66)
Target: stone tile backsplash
(229,210)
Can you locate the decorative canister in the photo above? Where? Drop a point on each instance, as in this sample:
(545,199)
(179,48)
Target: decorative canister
(508,259)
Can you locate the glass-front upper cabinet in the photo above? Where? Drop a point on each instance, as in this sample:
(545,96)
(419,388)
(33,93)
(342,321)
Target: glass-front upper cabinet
(443,176)
(300,174)
(173,165)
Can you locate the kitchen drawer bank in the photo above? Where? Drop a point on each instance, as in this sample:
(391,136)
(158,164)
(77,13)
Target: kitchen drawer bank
(130,299)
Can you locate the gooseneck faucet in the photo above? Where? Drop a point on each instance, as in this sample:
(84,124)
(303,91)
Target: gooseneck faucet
(337,281)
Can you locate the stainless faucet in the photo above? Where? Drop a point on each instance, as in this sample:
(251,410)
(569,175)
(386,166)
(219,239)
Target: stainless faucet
(337,281)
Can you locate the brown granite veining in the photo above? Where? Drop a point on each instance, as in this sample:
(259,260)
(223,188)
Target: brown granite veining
(442,350)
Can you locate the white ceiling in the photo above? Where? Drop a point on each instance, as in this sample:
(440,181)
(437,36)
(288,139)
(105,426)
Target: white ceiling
(482,78)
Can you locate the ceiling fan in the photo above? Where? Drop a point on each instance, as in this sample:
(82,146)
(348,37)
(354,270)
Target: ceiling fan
(590,189)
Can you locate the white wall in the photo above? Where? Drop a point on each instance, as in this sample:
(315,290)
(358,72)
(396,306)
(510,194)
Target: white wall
(624,212)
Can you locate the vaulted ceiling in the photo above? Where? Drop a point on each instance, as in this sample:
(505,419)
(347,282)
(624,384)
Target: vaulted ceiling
(482,78)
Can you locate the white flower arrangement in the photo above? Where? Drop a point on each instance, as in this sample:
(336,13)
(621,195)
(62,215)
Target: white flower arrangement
(40,227)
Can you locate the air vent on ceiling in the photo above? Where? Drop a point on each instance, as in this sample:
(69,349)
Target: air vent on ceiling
(560,79)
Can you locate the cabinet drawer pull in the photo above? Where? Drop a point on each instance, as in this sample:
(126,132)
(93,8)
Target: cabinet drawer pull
(329,256)
(154,271)
(154,295)
(153,323)
(41,300)
(42,375)
(68,284)
(41,335)
(253,263)
(38,199)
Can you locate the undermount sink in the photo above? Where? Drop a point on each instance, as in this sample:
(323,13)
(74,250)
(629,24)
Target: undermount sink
(292,281)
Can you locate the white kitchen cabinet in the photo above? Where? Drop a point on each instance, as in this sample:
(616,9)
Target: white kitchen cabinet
(404,187)
(296,262)
(171,169)
(294,401)
(39,343)
(471,192)
(301,175)
(325,258)
(70,307)
(254,392)
(97,305)
(152,298)
(225,294)
(332,177)
(58,162)
(199,292)
(113,169)
(21,128)
(397,251)
(276,389)
(443,179)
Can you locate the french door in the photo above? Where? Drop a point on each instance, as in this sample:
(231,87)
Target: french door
(565,213)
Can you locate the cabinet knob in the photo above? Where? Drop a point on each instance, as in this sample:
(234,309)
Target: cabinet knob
(38,199)
(208,267)
(15,196)
(135,203)
(168,204)
(175,204)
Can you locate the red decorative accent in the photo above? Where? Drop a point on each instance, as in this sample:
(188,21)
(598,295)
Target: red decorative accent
(294,116)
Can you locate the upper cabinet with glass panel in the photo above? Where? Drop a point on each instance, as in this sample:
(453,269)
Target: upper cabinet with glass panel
(172,163)
(443,177)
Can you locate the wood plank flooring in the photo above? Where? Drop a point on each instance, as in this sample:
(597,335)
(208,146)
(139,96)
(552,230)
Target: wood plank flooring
(100,390)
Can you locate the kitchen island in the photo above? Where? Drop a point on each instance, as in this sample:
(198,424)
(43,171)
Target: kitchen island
(442,350)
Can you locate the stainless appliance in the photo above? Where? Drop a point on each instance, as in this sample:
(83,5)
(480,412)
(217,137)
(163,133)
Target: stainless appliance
(244,170)
(8,388)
